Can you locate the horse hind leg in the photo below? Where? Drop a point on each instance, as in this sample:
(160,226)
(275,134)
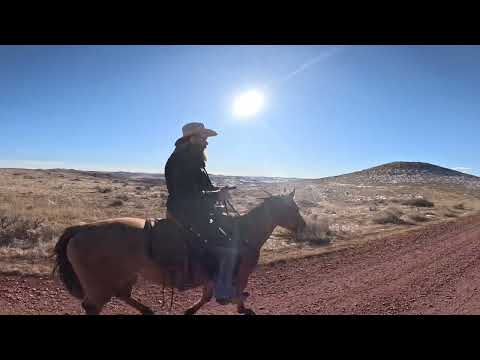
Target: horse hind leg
(144,310)
(206,297)
(91,308)
(126,296)
(241,308)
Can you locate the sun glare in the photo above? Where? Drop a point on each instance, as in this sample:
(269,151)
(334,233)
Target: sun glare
(248,104)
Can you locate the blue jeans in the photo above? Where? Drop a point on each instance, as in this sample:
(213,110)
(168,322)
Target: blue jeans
(223,247)
(225,290)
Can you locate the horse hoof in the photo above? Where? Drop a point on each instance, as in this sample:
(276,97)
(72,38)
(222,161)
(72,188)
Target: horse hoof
(189,312)
(223,301)
(246,311)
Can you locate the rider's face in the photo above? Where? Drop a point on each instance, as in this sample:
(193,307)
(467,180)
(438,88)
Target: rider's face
(200,140)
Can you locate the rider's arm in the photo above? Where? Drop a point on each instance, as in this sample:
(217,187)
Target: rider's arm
(190,183)
(210,194)
(205,180)
(183,182)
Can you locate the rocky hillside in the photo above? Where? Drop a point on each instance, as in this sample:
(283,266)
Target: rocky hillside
(408,173)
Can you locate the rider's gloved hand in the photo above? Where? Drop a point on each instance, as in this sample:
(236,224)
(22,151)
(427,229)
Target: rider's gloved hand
(224,194)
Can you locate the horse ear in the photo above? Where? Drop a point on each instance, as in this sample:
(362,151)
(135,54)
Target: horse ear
(292,194)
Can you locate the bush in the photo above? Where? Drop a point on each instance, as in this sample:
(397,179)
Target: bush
(418,218)
(419,202)
(104,190)
(450,215)
(116,203)
(316,231)
(27,232)
(306,204)
(389,216)
(122,197)
(459,206)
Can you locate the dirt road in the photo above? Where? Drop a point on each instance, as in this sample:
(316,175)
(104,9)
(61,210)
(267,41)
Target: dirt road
(432,271)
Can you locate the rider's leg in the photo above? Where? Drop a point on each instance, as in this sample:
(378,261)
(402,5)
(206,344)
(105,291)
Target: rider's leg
(223,248)
(224,289)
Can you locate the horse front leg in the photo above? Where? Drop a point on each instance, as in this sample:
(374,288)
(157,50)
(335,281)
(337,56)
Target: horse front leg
(241,308)
(206,297)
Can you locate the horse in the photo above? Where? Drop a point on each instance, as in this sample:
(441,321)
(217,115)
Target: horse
(101,260)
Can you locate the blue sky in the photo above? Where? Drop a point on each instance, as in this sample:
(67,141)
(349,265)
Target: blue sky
(328,109)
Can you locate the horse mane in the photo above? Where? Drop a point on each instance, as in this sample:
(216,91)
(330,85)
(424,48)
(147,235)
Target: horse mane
(257,208)
(248,223)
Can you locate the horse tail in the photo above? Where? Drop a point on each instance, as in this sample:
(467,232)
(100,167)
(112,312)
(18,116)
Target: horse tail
(64,266)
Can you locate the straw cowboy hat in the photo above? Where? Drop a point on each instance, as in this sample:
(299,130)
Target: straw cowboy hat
(196,128)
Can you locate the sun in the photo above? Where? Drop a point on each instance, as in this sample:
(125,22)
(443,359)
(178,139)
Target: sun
(248,103)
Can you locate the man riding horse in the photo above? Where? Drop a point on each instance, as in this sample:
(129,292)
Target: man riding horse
(191,203)
(102,260)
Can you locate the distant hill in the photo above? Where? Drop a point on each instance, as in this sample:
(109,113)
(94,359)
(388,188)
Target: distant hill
(400,172)
(407,172)
(159,179)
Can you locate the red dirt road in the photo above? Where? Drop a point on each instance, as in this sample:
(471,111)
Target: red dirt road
(432,271)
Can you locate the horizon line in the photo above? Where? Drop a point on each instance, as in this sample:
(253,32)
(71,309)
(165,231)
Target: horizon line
(220,174)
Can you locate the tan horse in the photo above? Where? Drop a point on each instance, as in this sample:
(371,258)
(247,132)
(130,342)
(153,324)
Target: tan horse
(102,260)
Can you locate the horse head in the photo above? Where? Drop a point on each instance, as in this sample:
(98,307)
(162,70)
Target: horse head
(285,211)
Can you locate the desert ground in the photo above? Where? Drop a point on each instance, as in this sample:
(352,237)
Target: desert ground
(381,237)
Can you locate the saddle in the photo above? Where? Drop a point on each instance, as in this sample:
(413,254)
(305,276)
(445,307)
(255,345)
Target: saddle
(177,250)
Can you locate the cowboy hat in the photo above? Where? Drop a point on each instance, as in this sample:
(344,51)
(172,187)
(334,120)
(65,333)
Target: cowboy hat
(196,128)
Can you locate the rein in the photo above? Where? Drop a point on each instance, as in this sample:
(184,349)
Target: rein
(227,202)
(242,239)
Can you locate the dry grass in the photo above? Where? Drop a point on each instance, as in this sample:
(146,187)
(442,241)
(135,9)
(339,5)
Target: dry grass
(419,202)
(336,214)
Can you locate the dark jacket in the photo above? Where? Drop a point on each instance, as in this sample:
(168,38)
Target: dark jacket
(189,186)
